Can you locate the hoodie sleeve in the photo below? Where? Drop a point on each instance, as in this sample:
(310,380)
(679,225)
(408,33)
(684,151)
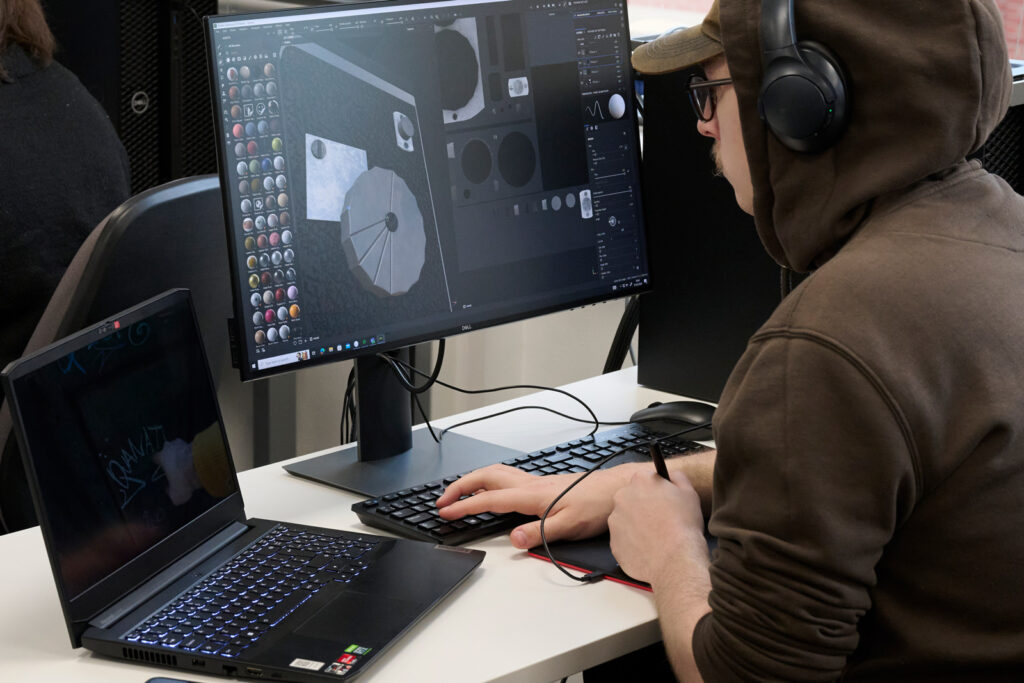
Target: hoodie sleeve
(813,476)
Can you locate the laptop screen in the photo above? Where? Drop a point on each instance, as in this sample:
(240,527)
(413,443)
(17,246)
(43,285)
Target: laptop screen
(126,442)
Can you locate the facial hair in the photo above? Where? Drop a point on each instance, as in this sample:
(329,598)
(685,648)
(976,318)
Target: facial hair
(716,160)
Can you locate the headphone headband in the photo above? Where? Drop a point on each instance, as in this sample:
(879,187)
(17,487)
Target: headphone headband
(778,31)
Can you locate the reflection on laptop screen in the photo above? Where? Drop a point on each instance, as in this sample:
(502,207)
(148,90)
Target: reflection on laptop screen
(121,469)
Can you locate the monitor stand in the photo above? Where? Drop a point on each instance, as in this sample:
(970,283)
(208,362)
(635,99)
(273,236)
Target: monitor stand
(389,455)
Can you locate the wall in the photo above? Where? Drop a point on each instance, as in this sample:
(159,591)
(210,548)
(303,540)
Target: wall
(1013,24)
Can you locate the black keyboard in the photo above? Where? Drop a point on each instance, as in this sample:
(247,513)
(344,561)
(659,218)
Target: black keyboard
(412,512)
(232,608)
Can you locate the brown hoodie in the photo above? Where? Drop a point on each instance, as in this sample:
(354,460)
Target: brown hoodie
(869,488)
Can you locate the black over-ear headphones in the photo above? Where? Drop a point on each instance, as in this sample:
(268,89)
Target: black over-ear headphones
(803,97)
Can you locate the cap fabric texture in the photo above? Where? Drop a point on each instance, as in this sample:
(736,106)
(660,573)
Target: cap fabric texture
(681,47)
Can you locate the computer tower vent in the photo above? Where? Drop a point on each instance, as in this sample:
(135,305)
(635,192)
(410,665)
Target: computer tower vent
(196,129)
(140,97)
(1004,148)
(149,657)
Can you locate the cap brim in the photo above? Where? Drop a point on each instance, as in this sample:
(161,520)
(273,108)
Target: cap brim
(674,51)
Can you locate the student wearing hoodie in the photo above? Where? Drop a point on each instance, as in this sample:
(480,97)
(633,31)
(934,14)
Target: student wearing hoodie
(868,488)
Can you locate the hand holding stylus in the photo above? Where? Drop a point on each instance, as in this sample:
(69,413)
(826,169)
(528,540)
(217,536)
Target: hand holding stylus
(659,459)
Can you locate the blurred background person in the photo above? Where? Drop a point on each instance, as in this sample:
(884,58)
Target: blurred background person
(62,170)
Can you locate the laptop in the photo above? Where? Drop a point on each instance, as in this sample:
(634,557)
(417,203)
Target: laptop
(153,556)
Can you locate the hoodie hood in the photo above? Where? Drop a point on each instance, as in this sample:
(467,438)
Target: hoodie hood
(927,82)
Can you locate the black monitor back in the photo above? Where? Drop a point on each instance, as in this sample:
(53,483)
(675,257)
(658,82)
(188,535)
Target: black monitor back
(714,284)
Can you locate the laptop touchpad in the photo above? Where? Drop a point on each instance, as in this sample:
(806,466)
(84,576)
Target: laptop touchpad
(375,617)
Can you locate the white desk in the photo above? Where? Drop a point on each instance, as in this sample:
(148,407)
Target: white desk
(515,619)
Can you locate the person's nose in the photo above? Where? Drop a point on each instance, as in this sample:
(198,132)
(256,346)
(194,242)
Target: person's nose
(708,128)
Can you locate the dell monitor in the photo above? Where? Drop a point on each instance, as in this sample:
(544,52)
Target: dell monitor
(397,172)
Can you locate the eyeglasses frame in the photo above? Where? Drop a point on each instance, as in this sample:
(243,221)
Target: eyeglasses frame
(702,84)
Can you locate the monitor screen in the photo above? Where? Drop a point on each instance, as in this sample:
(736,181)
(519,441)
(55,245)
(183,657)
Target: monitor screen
(398,172)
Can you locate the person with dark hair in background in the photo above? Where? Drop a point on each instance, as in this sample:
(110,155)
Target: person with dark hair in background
(62,170)
(867,493)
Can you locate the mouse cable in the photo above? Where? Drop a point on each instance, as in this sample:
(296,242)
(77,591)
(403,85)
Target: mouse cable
(594,576)
(399,365)
(550,410)
(437,437)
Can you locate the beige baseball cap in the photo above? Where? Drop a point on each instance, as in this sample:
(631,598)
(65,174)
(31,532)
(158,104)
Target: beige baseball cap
(681,47)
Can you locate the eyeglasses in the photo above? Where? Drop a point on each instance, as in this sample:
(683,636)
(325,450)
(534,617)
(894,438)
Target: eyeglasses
(702,95)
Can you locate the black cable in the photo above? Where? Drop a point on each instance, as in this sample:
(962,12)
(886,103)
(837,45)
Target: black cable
(426,420)
(437,437)
(406,381)
(348,414)
(512,410)
(396,364)
(594,576)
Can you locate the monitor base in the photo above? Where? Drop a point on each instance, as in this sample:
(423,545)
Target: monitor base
(427,461)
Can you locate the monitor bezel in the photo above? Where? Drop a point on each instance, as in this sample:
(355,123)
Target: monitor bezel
(248,373)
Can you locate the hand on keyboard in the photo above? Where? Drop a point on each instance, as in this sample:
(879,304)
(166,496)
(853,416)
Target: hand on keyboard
(582,513)
(513,491)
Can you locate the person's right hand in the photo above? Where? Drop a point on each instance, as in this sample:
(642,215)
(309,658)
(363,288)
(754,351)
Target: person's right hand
(581,513)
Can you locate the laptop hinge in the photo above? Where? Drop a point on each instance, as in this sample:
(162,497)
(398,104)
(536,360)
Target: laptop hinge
(163,579)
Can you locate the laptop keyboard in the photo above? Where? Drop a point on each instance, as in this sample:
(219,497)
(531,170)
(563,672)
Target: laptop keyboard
(412,512)
(235,606)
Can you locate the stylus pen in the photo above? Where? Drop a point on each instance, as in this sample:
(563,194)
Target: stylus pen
(659,459)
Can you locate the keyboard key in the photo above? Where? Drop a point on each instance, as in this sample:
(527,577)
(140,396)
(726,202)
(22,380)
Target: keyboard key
(575,456)
(235,605)
(416,519)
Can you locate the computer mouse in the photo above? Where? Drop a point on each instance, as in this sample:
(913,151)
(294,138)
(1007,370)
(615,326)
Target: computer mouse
(675,415)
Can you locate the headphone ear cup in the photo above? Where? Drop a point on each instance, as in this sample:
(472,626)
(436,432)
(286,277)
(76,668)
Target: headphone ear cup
(804,103)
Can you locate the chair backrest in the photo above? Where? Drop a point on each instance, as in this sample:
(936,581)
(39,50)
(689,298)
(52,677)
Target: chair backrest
(169,236)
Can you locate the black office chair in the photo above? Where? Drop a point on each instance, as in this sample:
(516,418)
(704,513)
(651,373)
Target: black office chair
(169,236)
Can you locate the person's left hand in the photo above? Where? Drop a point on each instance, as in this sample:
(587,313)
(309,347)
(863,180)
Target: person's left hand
(655,524)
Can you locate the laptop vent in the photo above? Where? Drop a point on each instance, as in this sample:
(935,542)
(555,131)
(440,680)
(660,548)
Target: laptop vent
(151,657)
